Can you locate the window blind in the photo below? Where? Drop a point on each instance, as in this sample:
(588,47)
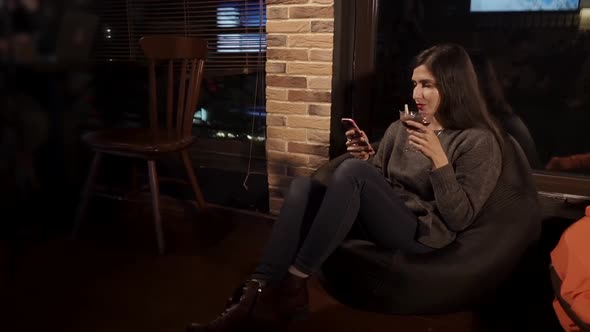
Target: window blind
(235,30)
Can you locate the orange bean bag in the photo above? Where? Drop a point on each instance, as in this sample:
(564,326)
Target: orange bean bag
(570,261)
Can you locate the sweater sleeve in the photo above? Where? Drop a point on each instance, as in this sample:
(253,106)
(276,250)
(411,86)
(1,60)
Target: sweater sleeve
(384,148)
(462,188)
(377,158)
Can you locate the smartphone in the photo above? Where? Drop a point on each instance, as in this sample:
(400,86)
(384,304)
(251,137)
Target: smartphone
(349,124)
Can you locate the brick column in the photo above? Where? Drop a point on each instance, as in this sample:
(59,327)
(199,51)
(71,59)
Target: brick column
(300,37)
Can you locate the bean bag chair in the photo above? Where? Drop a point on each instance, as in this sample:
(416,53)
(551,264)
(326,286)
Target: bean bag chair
(570,276)
(458,277)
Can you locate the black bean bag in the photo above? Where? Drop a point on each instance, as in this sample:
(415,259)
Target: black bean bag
(459,277)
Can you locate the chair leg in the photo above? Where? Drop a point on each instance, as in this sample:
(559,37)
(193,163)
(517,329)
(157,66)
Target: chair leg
(88,186)
(188,165)
(156,205)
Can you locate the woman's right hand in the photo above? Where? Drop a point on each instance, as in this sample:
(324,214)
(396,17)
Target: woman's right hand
(357,144)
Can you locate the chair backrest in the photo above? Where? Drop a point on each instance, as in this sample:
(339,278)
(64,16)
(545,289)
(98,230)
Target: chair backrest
(190,53)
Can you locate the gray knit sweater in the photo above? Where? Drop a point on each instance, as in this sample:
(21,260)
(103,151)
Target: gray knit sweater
(448,199)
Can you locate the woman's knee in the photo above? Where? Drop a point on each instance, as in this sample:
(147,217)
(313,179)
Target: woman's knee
(350,168)
(300,188)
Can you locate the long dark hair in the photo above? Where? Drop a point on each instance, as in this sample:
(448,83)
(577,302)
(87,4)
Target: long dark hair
(461,103)
(489,84)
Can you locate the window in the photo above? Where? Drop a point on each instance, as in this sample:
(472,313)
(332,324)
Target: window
(235,29)
(233,96)
(230,119)
(239,43)
(229,15)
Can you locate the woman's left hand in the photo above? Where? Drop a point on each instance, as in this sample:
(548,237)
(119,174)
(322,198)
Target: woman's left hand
(425,140)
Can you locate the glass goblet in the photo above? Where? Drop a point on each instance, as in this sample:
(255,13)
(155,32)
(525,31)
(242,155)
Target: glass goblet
(415,116)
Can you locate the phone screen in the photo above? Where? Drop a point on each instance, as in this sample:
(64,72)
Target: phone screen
(349,124)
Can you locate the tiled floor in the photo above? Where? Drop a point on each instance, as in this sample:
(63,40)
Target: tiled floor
(111,280)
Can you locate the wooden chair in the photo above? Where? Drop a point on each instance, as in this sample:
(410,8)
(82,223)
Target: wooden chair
(156,142)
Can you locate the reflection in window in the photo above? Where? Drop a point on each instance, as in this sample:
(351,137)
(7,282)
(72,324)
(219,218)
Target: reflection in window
(228,17)
(250,15)
(241,42)
(200,116)
(233,16)
(232,103)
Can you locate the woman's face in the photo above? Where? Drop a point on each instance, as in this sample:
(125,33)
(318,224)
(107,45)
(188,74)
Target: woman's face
(425,92)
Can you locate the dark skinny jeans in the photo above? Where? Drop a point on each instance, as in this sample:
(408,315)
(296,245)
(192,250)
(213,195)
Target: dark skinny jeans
(314,220)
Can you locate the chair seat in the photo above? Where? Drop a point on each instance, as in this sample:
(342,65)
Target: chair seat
(139,141)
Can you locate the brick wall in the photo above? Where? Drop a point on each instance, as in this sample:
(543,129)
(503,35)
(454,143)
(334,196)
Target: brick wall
(298,90)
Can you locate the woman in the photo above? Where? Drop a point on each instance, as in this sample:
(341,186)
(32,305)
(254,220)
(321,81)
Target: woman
(411,201)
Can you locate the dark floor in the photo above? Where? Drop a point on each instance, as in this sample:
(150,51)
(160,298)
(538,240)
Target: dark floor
(110,279)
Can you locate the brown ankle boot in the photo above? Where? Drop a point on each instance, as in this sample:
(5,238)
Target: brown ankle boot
(293,298)
(259,307)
